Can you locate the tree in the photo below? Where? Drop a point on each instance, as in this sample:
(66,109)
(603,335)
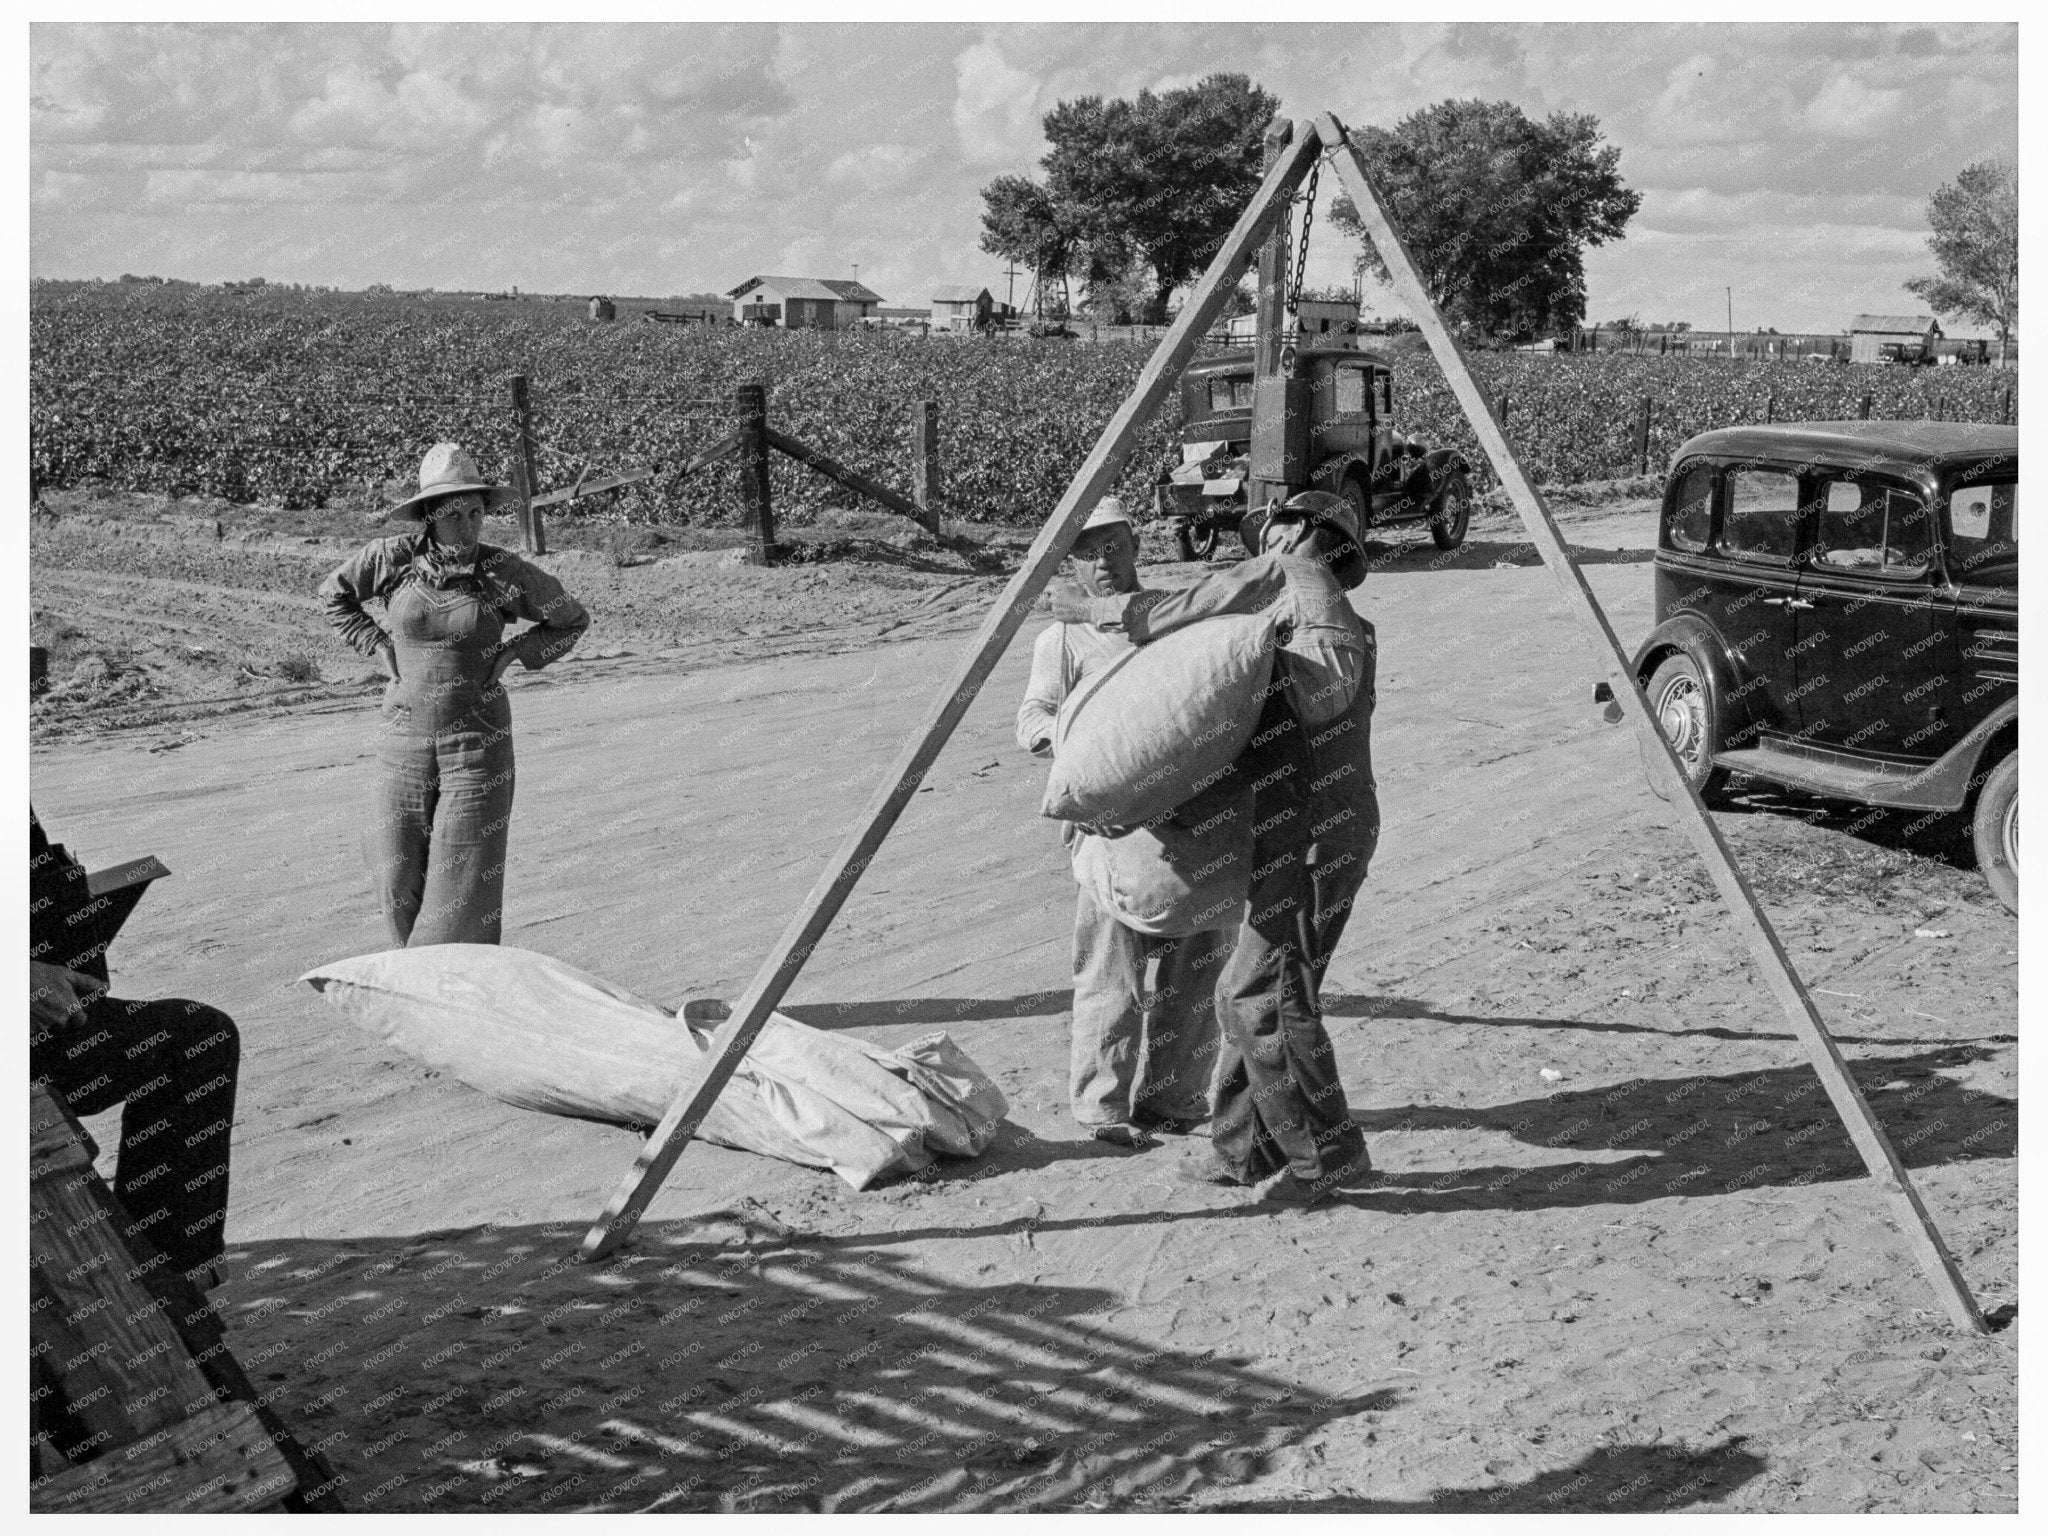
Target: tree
(1144,189)
(1021,223)
(1496,210)
(1976,244)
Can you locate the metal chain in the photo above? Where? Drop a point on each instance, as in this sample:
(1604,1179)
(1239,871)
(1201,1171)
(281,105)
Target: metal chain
(1308,218)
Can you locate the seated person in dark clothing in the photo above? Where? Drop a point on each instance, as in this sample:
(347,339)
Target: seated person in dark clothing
(171,1064)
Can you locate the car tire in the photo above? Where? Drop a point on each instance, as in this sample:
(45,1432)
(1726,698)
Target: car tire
(1197,541)
(1682,703)
(1995,831)
(1452,513)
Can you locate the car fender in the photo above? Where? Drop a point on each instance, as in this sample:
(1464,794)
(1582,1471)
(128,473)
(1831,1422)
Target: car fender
(1951,778)
(1692,635)
(1439,464)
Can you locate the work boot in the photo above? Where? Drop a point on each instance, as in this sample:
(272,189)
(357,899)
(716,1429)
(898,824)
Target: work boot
(1202,1166)
(1122,1133)
(1167,1125)
(1290,1188)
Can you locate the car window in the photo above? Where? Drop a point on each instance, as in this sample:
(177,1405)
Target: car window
(1691,520)
(1984,535)
(1864,525)
(1762,521)
(1350,391)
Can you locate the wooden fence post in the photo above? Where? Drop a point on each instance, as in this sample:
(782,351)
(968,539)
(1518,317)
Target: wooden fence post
(532,538)
(1770,409)
(1866,405)
(1643,440)
(924,461)
(757,516)
(2008,405)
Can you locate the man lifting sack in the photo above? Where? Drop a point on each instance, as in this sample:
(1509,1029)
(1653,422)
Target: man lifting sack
(1307,756)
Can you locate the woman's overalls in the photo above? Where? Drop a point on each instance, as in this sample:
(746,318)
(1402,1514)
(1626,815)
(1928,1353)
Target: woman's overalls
(437,842)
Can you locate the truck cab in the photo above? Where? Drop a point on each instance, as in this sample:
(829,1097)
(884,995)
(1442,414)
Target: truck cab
(1327,425)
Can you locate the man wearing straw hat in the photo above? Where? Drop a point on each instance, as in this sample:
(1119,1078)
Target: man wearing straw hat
(438,835)
(1165,898)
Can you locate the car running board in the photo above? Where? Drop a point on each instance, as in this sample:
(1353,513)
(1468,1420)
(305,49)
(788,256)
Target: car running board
(1837,775)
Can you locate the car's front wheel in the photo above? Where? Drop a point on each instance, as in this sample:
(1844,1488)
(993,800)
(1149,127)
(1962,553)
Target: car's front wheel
(1196,538)
(1452,514)
(1995,830)
(1683,706)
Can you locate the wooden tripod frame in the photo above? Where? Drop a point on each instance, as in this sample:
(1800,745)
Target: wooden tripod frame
(1288,165)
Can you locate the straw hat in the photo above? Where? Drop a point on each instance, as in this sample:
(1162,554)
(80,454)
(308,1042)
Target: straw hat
(446,469)
(1107,511)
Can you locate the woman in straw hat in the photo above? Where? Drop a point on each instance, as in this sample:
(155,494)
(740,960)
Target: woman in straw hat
(436,843)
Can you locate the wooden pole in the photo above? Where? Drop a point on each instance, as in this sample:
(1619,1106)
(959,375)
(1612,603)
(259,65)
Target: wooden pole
(1643,440)
(807,928)
(924,462)
(1770,409)
(1271,315)
(532,537)
(1866,406)
(757,516)
(1879,1156)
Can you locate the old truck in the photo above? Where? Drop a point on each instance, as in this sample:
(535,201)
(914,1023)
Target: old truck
(1328,426)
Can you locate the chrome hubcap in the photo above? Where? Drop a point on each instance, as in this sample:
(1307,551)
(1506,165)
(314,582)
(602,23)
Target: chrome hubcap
(1683,717)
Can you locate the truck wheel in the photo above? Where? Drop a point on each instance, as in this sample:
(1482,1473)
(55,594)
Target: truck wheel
(1452,513)
(1683,706)
(1197,540)
(1995,830)
(1359,499)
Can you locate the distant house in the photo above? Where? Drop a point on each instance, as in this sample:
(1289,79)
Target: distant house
(961,309)
(802,303)
(1317,320)
(1892,338)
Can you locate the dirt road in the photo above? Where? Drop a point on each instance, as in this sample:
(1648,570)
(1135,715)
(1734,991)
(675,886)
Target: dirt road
(1656,1282)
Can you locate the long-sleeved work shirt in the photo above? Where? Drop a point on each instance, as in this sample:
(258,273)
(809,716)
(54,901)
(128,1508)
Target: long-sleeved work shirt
(1328,656)
(515,587)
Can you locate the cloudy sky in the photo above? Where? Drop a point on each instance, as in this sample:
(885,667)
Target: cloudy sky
(1792,164)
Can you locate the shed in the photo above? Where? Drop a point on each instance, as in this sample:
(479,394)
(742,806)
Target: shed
(961,309)
(1892,338)
(803,303)
(857,301)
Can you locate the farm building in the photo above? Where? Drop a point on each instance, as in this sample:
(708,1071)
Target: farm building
(1892,338)
(961,309)
(1315,319)
(803,303)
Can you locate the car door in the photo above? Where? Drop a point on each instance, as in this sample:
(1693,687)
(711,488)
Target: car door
(1981,537)
(1875,629)
(1748,592)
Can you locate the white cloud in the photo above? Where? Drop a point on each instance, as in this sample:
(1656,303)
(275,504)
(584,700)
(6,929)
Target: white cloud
(1846,108)
(995,110)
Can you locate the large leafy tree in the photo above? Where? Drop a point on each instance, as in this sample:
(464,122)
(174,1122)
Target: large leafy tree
(1020,223)
(1976,244)
(1145,188)
(1497,210)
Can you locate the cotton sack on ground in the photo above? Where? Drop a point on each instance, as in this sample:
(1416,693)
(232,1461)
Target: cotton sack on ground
(536,1033)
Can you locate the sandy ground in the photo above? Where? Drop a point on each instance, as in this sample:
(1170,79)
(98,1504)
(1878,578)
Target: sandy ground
(1658,1282)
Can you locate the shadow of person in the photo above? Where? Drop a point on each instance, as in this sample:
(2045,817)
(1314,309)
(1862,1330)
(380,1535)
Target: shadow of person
(728,1363)
(1702,1135)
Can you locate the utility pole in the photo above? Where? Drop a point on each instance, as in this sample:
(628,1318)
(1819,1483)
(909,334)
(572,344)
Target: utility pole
(1011,273)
